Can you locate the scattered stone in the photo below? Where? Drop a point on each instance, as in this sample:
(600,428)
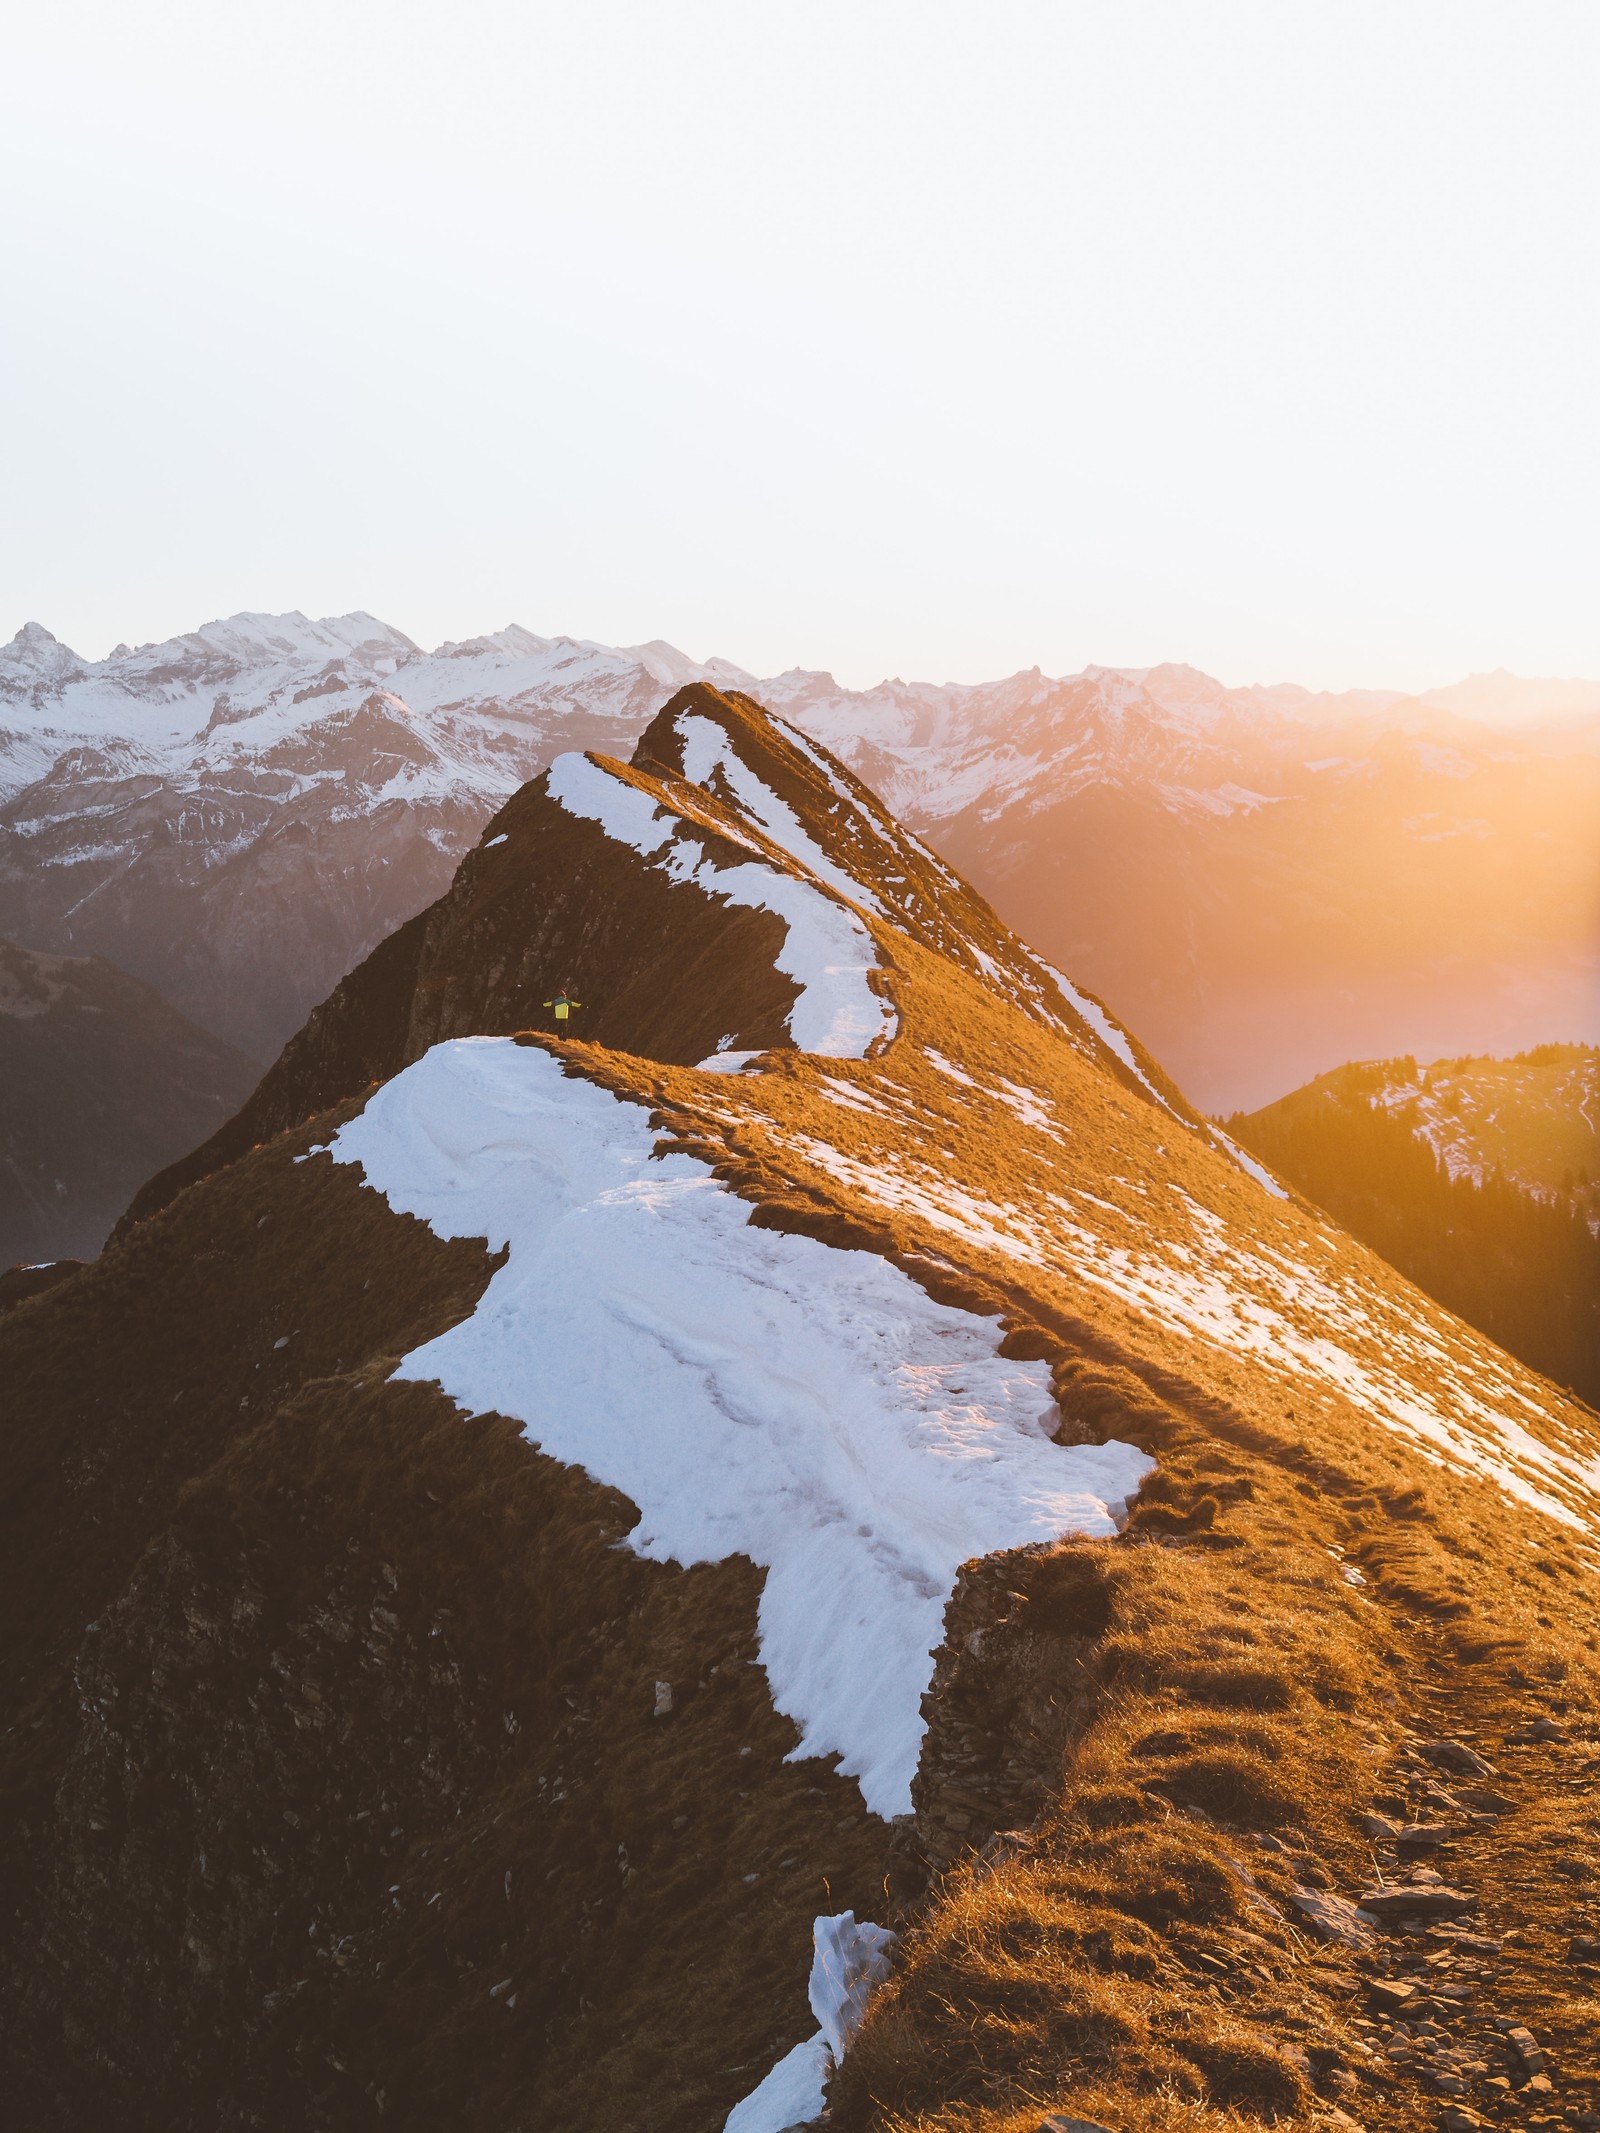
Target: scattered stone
(1390,1994)
(1378,1827)
(1424,1836)
(1456,1755)
(1539,1729)
(663,1699)
(1332,1917)
(1585,1949)
(1413,1900)
(1460,2118)
(1526,2046)
(1483,1800)
(1538,2085)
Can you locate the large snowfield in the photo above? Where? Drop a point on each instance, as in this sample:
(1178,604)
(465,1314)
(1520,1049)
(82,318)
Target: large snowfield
(752,1392)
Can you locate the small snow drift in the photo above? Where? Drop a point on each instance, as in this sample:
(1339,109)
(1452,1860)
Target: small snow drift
(751,1391)
(849,1958)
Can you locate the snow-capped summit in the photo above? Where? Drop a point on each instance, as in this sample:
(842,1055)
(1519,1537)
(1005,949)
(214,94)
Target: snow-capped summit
(33,657)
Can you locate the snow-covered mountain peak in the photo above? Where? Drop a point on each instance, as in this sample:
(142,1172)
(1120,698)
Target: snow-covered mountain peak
(183,761)
(514,641)
(245,641)
(34,656)
(664,663)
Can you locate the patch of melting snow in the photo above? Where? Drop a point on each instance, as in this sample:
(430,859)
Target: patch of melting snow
(1334,1326)
(949,1068)
(827,950)
(707,749)
(1028,1104)
(854,1099)
(753,1392)
(849,1957)
(1246,1161)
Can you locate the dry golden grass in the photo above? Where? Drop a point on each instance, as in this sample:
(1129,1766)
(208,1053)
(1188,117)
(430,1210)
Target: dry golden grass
(1178,1728)
(1242,1702)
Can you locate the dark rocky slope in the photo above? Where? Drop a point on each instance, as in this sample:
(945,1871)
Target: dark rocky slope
(101,1082)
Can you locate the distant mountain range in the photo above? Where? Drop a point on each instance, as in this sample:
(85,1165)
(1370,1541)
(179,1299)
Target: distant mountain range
(1261,880)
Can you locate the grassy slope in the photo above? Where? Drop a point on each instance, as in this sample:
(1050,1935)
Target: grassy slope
(1187,1721)
(1224,1683)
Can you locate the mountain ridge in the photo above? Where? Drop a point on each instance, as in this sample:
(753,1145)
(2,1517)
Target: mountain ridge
(1259,886)
(435,1721)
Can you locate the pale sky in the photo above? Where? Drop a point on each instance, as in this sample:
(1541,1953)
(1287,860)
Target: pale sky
(921,339)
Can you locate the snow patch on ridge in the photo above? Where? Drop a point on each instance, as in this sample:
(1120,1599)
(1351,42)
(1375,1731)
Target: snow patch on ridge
(707,749)
(753,1392)
(1111,1034)
(828,951)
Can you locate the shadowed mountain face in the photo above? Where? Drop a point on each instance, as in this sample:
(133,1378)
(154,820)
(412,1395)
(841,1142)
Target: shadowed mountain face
(99,1080)
(1478,1178)
(1260,880)
(532,1556)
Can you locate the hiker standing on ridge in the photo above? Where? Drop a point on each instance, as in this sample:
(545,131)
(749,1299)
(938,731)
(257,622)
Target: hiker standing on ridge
(562,1004)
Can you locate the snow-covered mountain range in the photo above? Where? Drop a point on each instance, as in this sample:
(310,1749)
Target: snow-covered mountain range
(1262,881)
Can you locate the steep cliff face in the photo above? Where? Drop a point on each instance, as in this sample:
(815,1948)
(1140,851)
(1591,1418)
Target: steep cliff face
(511,1571)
